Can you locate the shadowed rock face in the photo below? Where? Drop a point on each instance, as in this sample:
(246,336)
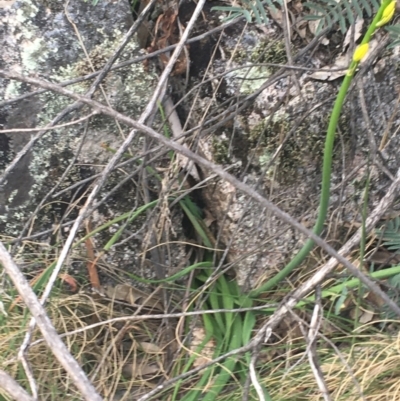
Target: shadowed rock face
(297,118)
(20,181)
(42,38)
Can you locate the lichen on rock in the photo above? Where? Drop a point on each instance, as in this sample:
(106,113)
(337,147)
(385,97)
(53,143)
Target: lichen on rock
(280,142)
(42,39)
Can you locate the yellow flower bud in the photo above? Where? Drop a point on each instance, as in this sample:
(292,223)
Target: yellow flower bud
(387,14)
(360,52)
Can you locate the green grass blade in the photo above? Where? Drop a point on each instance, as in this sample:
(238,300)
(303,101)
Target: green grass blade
(174,277)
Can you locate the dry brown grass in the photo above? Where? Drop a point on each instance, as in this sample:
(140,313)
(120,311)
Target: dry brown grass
(125,360)
(119,358)
(373,362)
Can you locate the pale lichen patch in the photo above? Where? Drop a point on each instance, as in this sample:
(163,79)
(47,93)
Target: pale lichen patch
(251,78)
(12,89)
(45,42)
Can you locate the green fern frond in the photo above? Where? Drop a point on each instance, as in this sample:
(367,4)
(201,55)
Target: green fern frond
(394,33)
(393,293)
(235,12)
(343,12)
(395,282)
(252,9)
(391,235)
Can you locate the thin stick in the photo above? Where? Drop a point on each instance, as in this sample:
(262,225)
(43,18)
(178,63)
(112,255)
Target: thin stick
(47,329)
(13,388)
(265,332)
(311,338)
(220,172)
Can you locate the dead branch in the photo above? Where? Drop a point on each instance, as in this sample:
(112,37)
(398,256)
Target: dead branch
(47,329)
(221,173)
(13,388)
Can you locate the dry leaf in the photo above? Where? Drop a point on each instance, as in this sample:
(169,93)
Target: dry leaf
(357,33)
(326,73)
(150,348)
(302,32)
(66,278)
(133,296)
(132,370)
(6,3)
(298,6)
(276,15)
(342,62)
(366,317)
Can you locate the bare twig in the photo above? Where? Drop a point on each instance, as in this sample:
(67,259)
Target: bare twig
(127,62)
(136,317)
(54,188)
(55,273)
(61,115)
(18,157)
(13,388)
(254,378)
(338,353)
(147,112)
(28,372)
(376,154)
(29,130)
(325,270)
(225,176)
(265,332)
(47,329)
(311,338)
(76,106)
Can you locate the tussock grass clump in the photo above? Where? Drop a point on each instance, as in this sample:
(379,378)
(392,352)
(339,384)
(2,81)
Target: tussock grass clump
(119,357)
(366,370)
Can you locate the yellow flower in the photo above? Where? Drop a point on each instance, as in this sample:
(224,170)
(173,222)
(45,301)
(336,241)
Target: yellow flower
(360,52)
(387,14)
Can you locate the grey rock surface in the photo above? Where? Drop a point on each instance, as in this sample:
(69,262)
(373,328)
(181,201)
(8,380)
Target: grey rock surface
(275,145)
(60,41)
